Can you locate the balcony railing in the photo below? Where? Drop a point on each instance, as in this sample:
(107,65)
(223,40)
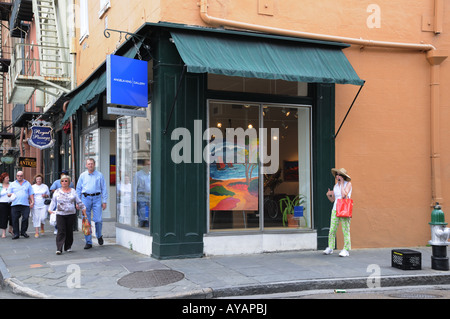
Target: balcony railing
(22,10)
(28,72)
(22,114)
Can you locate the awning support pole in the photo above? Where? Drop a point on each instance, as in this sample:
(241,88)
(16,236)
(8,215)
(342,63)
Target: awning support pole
(175,99)
(360,88)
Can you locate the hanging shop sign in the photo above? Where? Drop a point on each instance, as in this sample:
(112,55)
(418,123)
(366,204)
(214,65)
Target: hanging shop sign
(7,159)
(27,162)
(41,135)
(127,81)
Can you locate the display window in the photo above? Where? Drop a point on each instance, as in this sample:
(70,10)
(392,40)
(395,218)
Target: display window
(260,162)
(133,170)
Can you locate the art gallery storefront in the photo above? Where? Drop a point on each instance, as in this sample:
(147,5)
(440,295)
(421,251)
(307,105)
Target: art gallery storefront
(266,100)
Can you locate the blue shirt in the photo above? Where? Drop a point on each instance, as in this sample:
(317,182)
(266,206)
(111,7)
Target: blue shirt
(142,186)
(22,192)
(92,184)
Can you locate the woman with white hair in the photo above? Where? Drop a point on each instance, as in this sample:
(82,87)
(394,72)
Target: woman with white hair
(342,189)
(63,205)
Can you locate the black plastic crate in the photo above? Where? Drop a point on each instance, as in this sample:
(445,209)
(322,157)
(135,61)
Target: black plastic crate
(406,259)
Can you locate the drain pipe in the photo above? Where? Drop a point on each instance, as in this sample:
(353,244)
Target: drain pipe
(435,58)
(214,21)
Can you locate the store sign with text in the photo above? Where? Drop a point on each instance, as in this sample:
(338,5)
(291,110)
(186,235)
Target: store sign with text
(27,162)
(41,135)
(127,81)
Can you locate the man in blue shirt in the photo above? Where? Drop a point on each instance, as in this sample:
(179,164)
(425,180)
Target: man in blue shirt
(91,188)
(21,205)
(57,184)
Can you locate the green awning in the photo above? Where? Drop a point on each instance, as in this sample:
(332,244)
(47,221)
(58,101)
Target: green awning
(264,58)
(93,86)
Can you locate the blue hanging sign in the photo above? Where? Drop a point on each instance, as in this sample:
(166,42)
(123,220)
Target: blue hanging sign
(127,81)
(41,135)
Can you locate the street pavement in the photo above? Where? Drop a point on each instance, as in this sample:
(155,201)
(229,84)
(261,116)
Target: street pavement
(30,267)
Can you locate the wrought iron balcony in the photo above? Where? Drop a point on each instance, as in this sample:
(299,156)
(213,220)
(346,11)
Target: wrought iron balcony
(22,114)
(22,10)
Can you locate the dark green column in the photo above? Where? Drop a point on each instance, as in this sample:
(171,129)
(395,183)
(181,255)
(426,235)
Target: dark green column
(178,190)
(323,157)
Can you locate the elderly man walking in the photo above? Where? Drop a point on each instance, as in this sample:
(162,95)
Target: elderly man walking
(91,189)
(21,205)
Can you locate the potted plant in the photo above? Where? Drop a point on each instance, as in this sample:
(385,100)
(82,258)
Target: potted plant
(287,205)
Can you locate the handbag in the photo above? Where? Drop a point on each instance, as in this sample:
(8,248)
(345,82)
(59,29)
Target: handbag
(52,220)
(344,207)
(47,201)
(86,226)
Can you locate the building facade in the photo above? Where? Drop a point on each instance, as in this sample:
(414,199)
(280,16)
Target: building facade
(251,104)
(37,72)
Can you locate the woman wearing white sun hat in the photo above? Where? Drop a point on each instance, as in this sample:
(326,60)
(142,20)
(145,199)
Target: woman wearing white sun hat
(342,189)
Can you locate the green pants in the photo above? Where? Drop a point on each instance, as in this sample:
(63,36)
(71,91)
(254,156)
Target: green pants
(345,229)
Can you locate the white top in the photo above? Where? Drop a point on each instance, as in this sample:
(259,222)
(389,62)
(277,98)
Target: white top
(40,190)
(337,193)
(65,203)
(4,195)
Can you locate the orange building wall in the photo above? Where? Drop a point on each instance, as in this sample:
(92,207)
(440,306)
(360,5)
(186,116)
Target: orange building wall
(385,142)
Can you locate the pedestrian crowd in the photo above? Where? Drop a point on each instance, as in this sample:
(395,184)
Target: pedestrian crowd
(20,200)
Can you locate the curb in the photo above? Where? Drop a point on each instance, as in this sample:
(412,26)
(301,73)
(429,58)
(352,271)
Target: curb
(339,283)
(19,288)
(15,285)
(313,284)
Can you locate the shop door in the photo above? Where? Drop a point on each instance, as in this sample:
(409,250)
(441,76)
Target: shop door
(100,145)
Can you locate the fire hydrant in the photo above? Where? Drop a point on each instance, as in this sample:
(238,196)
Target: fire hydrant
(439,239)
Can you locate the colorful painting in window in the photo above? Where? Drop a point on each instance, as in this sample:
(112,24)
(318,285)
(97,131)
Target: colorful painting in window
(233,186)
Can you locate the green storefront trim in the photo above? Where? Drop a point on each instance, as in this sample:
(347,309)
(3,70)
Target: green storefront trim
(179,191)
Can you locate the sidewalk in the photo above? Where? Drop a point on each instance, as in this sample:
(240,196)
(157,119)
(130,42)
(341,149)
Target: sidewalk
(30,266)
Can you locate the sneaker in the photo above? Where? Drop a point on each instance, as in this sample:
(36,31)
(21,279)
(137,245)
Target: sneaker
(58,252)
(344,253)
(100,240)
(88,246)
(328,251)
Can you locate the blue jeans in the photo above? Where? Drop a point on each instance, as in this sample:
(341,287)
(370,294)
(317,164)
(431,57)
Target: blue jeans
(143,209)
(94,204)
